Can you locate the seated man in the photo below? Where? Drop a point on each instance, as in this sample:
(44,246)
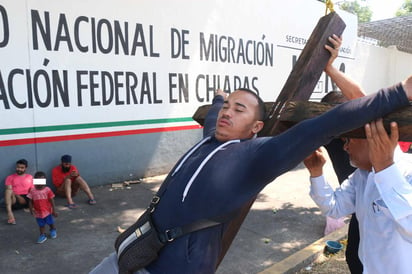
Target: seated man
(67,180)
(18,186)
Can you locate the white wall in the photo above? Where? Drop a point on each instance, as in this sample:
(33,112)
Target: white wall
(376,67)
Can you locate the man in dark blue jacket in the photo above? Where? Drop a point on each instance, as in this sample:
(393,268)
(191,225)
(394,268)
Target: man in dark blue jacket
(230,166)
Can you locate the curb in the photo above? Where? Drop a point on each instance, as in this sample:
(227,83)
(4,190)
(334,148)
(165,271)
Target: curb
(305,256)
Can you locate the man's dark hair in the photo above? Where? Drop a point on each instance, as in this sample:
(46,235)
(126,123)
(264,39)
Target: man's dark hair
(261,104)
(22,162)
(40,174)
(66,158)
(334,97)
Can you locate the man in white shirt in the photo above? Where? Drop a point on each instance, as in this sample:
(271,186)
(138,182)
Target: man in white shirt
(379,192)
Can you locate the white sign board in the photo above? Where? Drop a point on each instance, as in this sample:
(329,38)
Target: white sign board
(92,68)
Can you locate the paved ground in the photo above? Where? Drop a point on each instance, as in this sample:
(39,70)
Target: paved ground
(282,221)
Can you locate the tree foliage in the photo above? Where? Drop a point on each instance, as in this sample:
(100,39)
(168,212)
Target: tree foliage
(364,13)
(405,9)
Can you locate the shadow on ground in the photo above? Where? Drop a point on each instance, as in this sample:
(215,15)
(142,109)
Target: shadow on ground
(280,223)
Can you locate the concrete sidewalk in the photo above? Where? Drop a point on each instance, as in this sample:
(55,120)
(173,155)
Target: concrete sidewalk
(282,221)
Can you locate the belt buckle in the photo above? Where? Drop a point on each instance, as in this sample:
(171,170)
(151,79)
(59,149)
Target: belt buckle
(169,237)
(155,201)
(143,229)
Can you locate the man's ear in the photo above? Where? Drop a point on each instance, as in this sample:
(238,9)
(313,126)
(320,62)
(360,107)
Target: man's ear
(257,127)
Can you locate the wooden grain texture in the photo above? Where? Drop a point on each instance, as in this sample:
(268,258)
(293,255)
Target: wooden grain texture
(307,70)
(297,111)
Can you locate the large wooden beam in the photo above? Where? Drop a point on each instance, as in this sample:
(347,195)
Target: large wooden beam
(307,70)
(297,111)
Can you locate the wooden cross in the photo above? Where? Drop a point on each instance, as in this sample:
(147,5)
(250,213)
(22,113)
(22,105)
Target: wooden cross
(303,77)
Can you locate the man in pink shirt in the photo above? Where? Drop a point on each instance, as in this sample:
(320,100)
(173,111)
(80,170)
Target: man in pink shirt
(18,186)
